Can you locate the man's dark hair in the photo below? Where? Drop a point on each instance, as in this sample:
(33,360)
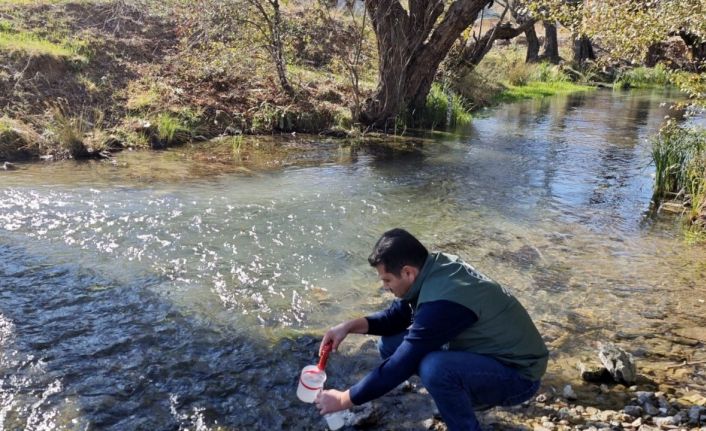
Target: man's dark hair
(397,248)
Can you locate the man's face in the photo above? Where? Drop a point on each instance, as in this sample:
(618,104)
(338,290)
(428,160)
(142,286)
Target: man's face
(398,286)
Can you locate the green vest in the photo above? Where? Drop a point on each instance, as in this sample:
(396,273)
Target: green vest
(503,331)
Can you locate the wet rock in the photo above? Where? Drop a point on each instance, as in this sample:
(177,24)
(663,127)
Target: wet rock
(663,403)
(694,414)
(367,417)
(634,411)
(619,363)
(406,386)
(595,375)
(651,409)
(7,166)
(644,396)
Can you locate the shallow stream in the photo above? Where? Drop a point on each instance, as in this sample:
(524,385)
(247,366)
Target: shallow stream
(171,290)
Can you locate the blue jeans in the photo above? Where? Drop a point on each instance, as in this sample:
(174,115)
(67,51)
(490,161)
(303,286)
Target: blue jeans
(461,382)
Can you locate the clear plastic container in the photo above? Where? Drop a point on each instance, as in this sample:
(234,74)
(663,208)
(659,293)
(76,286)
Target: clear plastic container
(336,420)
(311,381)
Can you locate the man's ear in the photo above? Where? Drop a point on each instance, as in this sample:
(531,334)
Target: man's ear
(410,272)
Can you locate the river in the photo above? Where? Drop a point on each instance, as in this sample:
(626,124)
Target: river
(171,291)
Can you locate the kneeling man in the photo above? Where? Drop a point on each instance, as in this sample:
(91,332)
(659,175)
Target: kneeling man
(471,342)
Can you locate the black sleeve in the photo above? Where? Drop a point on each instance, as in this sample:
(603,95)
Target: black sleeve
(435,324)
(394,320)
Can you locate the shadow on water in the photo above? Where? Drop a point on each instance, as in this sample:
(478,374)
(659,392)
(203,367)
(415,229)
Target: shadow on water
(80,351)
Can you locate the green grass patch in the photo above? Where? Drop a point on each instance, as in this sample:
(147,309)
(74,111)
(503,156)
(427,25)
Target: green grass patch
(643,77)
(30,43)
(444,108)
(537,90)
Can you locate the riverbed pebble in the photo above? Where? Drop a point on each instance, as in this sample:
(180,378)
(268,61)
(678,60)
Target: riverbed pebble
(634,411)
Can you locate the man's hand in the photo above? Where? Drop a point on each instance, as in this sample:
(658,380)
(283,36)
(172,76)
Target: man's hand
(336,334)
(332,401)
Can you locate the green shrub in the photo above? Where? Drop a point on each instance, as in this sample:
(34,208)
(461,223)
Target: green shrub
(519,73)
(547,72)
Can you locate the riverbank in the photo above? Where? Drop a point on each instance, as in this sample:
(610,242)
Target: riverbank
(561,404)
(84,79)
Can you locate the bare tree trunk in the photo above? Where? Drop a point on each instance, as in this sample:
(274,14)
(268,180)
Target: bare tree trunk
(527,24)
(271,29)
(532,45)
(551,44)
(411,45)
(278,50)
(583,50)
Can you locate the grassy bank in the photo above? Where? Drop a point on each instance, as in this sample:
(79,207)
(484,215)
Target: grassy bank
(89,76)
(504,77)
(109,74)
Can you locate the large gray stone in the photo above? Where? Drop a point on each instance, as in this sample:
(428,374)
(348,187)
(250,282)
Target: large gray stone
(651,410)
(619,363)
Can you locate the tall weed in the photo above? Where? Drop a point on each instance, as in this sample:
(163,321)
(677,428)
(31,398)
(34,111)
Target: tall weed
(679,155)
(68,132)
